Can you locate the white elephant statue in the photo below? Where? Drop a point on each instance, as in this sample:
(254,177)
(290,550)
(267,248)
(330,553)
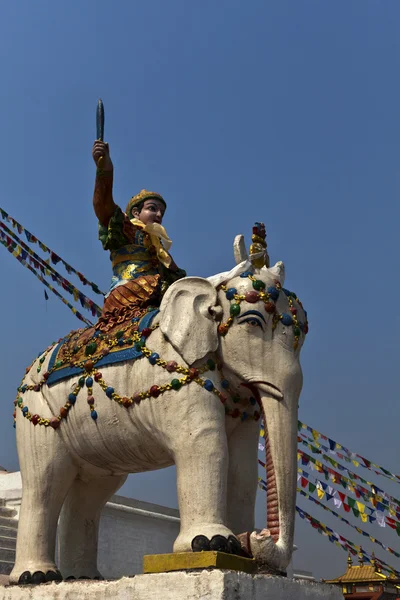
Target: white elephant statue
(221,352)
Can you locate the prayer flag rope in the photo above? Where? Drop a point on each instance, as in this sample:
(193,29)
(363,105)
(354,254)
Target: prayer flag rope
(15,250)
(53,256)
(48,270)
(364,462)
(358,508)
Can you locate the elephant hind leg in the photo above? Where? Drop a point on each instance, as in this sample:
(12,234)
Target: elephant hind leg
(47,472)
(79,524)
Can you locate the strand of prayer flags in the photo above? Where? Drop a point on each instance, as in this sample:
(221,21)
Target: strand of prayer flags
(53,256)
(360,531)
(15,250)
(384,498)
(48,270)
(364,462)
(339,499)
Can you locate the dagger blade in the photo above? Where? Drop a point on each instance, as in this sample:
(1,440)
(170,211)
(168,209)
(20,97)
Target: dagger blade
(100,120)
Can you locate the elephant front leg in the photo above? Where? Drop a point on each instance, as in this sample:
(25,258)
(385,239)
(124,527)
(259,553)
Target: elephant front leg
(202,468)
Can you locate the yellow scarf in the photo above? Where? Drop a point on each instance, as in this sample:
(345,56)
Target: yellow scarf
(159,238)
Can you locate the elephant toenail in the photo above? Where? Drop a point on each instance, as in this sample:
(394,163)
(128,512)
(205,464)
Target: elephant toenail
(200,543)
(83,577)
(25,578)
(53,576)
(70,578)
(219,543)
(38,577)
(98,578)
(234,546)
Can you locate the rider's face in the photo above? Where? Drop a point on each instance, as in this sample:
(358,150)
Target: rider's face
(152,212)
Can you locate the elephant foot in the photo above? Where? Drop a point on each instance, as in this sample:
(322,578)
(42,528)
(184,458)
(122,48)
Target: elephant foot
(272,558)
(198,538)
(37,577)
(217,543)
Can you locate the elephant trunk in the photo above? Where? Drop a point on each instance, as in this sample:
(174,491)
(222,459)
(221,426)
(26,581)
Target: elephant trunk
(273,546)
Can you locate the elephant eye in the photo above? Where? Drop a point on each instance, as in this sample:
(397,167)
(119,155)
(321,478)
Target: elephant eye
(253,322)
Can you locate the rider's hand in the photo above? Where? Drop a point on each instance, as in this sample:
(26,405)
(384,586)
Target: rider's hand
(101,150)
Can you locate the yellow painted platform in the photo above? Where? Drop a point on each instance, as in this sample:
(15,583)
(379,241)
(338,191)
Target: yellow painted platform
(183,561)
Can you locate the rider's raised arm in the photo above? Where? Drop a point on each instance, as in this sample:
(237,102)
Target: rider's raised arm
(103,203)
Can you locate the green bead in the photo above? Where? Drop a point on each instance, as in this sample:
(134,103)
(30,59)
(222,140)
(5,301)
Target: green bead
(58,364)
(211,364)
(81,381)
(296,331)
(119,335)
(176,384)
(129,341)
(258,285)
(43,358)
(39,369)
(139,345)
(75,350)
(90,348)
(19,401)
(235,310)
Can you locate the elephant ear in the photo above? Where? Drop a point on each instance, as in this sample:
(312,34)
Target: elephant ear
(188,317)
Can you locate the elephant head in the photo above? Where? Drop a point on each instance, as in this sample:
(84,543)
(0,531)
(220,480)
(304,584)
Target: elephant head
(256,327)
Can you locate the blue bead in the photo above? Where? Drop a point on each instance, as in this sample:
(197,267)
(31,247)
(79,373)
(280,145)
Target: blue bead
(286,292)
(93,414)
(225,384)
(209,386)
(244,416)
(253,401)
(287,319)
(301,325)
(89,382)
(230,294)
(273,292)
(245,274)
(109,391)
(121,342)
(153,358)
(72,399)
(14,424)
(24,388)
(25,410)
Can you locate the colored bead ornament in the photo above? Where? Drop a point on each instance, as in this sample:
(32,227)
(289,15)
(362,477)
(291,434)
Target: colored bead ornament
(231,293)
(97,376)
(293,310)
(35,419)
(93,414)
(193,373)
(90,400)
(136,398)
(146,332)
(54,423)
(235,413)
(89,366)
(273,293)
(253,401)
(208,385)
(63,412)
(223,398)
(139,345)
(225,384)
(270,307)
(211,364)
(119,334)
(105,351)
(155,391)
(109,391)
(223,329)
(246,274)
(25,410)
(90,348)
(36,388)
(235,310)
(171,366)
(286,319)
(176,384)
(72,399)
(89,382)
(81,381)
(258,285)
(153,358)
(252,297)
(127,402)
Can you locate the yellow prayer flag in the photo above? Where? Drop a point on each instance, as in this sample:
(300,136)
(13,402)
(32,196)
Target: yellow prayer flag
(392,511)
(364,517)
(76,294)
(262,432)
(320,493)
(355,463)
(360,507)
(315,434)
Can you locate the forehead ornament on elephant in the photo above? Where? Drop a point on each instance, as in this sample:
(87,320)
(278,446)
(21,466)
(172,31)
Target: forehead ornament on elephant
(258,264)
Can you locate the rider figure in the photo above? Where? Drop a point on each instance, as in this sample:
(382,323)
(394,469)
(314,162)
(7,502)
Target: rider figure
(138,245)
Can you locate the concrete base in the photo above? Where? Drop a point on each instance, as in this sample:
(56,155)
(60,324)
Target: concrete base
(202,585)
(189,561)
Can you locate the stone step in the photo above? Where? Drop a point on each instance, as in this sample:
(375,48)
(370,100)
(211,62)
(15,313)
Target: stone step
(7,555)
(8,542)
(6,567)
(8,532)
(10,523)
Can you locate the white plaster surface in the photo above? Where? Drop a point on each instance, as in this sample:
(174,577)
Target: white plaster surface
(204,585)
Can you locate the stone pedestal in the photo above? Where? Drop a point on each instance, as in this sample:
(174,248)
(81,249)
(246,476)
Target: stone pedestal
(181,585)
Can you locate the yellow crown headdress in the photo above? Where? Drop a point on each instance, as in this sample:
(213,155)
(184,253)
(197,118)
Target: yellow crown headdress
(141,197)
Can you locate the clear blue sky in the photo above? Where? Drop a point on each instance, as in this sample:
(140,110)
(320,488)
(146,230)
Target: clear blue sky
(286,112)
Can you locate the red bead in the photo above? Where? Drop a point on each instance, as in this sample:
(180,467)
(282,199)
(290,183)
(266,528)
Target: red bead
(136,398)
(14,414)
(105,351)
(46,375)
(146,332)
(222,398)
(90,400)
(171,366)
(223,329)
(270,307)
(89,364)
(36,388)
(63,412)
(256,415)
(193,373)
(235,413)
(305,329)
(15,402)
(54,423)
(97,376)
(154,391)
(252,297)
(126,402)
(35,419)
(293,310)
